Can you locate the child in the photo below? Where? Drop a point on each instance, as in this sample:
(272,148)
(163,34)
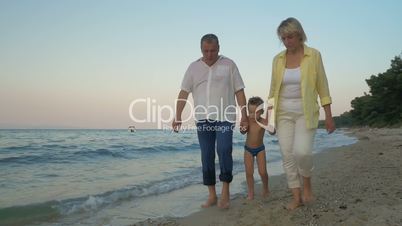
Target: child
(254,147)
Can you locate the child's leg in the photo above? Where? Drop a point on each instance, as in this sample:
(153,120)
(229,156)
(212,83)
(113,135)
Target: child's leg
(262,170)
(249,165)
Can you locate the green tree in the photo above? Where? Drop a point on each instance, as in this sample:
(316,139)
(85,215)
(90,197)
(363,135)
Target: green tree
(383,106)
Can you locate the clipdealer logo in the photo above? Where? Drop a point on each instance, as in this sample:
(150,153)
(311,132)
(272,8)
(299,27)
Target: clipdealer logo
(163,115)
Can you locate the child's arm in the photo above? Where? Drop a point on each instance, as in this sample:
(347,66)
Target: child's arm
(271,121)
(265,120)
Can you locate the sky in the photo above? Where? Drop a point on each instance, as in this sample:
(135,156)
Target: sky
(80,64)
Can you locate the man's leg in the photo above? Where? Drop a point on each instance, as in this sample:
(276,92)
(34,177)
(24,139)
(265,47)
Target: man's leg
(224,140)
(206,138)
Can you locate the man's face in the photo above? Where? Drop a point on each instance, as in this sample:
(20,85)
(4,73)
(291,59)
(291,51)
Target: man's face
(210,52)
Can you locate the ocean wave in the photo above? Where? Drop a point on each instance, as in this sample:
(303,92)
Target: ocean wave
(173,182)
(23,159)
(71,153)
(165,148)
(23,215)
(19,148)
(92,203)
(58,146)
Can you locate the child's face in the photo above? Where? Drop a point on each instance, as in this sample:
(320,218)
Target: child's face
(252,112)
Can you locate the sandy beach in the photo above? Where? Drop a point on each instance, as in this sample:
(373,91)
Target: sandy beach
(359,184)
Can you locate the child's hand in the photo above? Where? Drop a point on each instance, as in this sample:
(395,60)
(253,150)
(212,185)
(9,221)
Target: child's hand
(271,130)
(243,130)
(264,121)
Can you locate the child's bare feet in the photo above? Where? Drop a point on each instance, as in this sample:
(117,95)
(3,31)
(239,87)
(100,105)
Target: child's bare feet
(250,196)
(224,203)
(293,205)
(211,201)
(265,193)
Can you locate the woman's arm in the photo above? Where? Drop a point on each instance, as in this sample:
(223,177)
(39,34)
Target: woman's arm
(329,121)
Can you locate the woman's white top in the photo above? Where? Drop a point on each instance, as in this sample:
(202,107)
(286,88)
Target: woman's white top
(290,99)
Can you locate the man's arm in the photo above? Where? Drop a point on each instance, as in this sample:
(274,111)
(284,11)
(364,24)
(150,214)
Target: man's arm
(241,101)
(180,104)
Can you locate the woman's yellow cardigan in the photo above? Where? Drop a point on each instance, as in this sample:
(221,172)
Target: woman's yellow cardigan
(313,83)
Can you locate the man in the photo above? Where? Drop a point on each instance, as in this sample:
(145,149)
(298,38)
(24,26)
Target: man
(214,82)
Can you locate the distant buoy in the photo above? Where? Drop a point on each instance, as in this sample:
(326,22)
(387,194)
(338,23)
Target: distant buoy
(131,129)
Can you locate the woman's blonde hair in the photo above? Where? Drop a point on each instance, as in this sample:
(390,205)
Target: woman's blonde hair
(291,26)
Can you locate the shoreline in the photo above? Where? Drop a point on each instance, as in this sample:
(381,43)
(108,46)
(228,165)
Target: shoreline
(357,184)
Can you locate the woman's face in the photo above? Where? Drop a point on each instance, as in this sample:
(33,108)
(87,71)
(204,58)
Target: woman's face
(291,41)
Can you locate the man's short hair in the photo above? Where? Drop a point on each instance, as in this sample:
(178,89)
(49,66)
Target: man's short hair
(209,38)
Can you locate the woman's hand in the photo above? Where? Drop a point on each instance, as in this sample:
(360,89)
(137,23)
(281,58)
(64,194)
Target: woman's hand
(329,125)
(329,121)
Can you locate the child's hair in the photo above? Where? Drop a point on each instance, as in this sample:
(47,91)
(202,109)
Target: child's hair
(256,101)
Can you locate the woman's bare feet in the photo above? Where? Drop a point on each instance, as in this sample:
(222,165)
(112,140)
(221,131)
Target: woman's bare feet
(307,191)
(211,201)
(294,204)
(308,197)
(297,200)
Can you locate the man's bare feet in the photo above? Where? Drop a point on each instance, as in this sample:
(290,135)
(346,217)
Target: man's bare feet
(224,203)
(210,202)
(294,204)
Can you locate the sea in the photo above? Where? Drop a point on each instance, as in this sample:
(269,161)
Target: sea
(115,177)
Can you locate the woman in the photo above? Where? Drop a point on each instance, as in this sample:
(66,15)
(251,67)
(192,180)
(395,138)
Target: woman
(298,78)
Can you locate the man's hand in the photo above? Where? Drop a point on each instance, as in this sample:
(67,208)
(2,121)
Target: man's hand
(176,124)
(244,124)
(180,103)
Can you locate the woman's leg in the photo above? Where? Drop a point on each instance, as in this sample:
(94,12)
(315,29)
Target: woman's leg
(303,148)
(286,133)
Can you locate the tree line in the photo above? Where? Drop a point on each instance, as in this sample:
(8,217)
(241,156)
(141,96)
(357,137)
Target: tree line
(382,107)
